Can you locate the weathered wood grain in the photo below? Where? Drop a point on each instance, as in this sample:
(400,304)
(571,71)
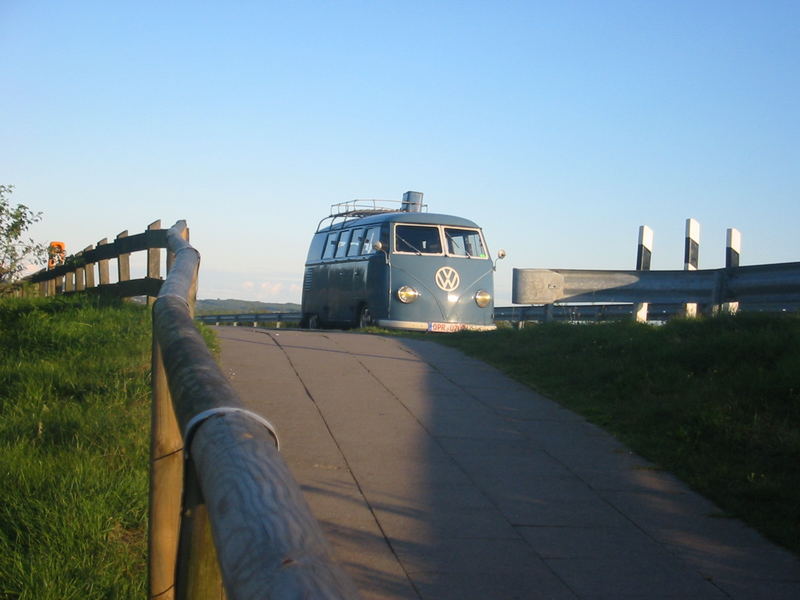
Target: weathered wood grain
(123,260)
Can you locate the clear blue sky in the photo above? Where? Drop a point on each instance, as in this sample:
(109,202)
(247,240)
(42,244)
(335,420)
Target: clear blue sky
(559,126)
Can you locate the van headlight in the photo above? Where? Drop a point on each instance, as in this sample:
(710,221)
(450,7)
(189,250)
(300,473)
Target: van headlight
(407,294)
(483,298)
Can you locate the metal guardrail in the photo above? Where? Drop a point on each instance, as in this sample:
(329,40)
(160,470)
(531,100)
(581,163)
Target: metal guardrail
(610,312)
(267,543)
(760,283)
(249,318)
(589,295)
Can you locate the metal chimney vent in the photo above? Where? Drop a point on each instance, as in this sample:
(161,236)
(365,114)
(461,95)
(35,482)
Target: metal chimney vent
(412,202)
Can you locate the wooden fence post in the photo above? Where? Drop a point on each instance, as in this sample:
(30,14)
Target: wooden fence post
(89,269)
(80,274)
(153,261)
(644,253)
(102,266)
(166,484)
(691,257)
(123,262)
(197,574)
(166,477)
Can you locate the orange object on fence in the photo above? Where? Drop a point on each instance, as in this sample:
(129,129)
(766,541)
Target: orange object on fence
(56,253)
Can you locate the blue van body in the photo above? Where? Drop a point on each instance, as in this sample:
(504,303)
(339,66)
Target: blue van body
(399,269)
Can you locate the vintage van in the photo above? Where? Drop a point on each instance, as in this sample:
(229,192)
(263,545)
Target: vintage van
(397,267)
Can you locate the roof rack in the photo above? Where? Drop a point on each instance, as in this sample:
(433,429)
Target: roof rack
(357,209)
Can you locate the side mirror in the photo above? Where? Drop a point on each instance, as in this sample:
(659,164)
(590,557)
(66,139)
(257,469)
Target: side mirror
(377,246)
(501,254)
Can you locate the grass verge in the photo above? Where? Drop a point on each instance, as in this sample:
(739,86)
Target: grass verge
(74,430)
(715,401)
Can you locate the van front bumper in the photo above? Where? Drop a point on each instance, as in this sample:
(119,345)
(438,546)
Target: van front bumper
(433,326)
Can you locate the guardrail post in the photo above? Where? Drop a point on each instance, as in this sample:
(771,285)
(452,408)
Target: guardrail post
(69,281)
(123,262)
(644,253)
(520,324)
(733,250)
(549,313)
(102,266)
(691,257)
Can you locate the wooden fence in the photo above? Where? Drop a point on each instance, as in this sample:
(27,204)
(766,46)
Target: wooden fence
(227,520)
(89,270)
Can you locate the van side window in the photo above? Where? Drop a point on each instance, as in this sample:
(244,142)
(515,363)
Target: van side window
(315,250)
(373,235)
(417,239)
(330,245)
(344,244)
(355,242)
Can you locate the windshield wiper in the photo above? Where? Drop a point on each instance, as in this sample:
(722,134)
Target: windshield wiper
(451,245)
(409,244)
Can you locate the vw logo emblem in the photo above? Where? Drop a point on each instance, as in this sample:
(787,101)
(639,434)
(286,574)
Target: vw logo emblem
(447,279)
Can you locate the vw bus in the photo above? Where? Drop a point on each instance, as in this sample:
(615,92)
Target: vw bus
(398,267)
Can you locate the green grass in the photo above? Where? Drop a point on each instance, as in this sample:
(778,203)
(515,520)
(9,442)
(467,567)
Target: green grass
(74,430)
(715,401)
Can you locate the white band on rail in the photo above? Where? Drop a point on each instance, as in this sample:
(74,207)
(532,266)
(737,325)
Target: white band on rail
(201,417)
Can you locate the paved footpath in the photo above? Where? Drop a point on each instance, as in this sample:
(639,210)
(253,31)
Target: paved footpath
(434,476)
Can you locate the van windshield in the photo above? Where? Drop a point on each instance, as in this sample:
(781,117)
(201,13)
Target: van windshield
(417,239)
(464,242)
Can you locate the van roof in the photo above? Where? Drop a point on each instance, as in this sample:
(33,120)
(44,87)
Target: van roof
(421,218)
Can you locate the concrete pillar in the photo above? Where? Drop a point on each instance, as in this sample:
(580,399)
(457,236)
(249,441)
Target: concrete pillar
(691,257)
(733,250)
(644,253)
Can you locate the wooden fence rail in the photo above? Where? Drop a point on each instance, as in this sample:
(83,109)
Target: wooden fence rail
(227,520)
(267,543)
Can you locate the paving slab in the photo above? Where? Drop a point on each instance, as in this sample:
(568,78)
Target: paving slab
(434,476)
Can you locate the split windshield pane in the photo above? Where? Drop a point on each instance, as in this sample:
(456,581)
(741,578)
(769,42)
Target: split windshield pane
(418,239)
(464,242)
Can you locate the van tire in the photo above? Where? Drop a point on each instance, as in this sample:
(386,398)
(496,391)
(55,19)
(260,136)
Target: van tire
(309,321)
(364,317)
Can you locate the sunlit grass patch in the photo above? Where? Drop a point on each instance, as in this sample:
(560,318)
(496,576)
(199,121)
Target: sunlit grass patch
(74,427)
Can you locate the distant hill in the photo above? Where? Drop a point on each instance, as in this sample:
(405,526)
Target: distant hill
(223,307)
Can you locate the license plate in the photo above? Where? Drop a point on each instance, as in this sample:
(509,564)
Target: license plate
(445,327)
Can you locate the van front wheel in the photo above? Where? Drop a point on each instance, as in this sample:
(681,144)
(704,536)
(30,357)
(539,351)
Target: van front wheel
(364,317)
(309,321)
